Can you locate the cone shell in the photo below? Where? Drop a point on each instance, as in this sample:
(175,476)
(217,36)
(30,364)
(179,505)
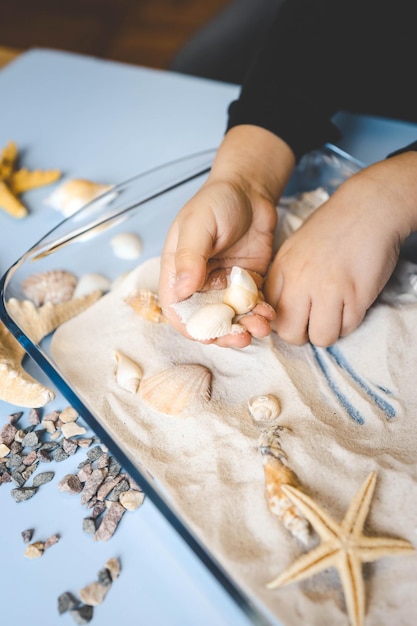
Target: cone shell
(276,475)
(264,409)
(210,321)
(174,390)
(128,373)
(146,304)
(242,293)
(53,286)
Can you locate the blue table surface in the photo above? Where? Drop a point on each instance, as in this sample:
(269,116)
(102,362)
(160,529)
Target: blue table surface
(107,122)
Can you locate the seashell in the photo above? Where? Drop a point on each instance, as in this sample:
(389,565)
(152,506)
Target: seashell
(242,293)
(210,321)
(172,391)
(128,373)
(264,408)
(126,246)
(73,194)
(269,443)
(91,282)
(146,304)
(276,475)
(52,286)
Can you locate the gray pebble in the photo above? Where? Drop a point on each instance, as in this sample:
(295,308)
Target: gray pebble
(60,455)
(104,577)
(23,493)
(67,601)
(89,526)
(31,440)
(94,453)
(117,490)
(82,614)
(42,478)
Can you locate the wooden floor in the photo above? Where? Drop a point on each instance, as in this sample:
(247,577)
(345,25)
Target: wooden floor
(143,32)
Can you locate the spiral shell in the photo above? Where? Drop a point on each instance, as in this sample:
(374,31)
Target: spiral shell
(128,373)
(172,391)
(242,293)
(210,321)
(146,304)
(276,475)
(264,408)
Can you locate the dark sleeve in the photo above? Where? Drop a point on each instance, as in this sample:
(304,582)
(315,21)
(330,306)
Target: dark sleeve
(288,89)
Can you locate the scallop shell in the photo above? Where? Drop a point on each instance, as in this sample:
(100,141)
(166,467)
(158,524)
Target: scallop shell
(52,286)
(91,282)
(242,293)
(73,194)
(210,321)
(264,408)
(128,373)
(172,391)
(146,304)
(126,245)
(276,475)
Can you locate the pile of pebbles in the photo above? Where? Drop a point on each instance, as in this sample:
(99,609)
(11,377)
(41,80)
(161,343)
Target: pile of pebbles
(81,610)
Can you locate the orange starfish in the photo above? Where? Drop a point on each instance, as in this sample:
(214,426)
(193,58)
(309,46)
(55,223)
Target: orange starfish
(14,182)
(343,546)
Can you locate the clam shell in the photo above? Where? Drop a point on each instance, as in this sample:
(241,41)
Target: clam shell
(242,293)
(73,194)
(128,373)
(210,321)
(172,391)
(52,286)
(265,408)
(91,282)
(146,304)
(126,245)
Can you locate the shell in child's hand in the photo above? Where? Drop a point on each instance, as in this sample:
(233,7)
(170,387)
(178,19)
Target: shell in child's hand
(242,293)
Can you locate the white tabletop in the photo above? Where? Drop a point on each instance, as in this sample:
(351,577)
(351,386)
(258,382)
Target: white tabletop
(107,122)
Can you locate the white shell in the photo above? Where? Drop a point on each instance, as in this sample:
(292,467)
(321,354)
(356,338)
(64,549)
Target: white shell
(73,194)
(175,390)
(126,246)
(210,321)
(264,408)
(128,373)
(242,293)
(91,282)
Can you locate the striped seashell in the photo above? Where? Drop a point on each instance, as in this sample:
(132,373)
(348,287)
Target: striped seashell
(146,304)
(276,475)
(210,321)
(52,286)
(176,389)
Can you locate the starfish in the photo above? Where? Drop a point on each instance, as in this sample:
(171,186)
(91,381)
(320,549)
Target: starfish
(343,546)
(14,182)
(16,385)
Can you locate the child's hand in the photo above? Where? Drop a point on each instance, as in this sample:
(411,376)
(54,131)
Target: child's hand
(330,271)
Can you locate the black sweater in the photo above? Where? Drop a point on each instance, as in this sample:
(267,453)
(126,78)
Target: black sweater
(324,56)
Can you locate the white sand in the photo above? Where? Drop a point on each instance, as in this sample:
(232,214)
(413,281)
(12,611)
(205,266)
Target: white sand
(208,464)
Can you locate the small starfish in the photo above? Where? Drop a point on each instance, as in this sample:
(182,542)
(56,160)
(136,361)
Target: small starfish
(14,182)
(343,546)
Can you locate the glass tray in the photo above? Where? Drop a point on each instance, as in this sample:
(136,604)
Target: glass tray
(147,205)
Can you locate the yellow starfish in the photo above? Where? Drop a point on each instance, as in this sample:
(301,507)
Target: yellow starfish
(15,182)
(343,546)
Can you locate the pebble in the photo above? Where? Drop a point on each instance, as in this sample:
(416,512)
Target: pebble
(68,415)
(72,429)
(27,535)
(13,418)
(66,601)
(35,550)
(89,525)
(91,485)
(34,416)
(51,541)
(94,593)
(21,494)
(104,577)
(113,565)
(7,434)
(94,453)
(60,455)
(31,439)
(132,499)
(43,478)
(70,483)
(69,446)
(4,450)
(82,614)
(109,522)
